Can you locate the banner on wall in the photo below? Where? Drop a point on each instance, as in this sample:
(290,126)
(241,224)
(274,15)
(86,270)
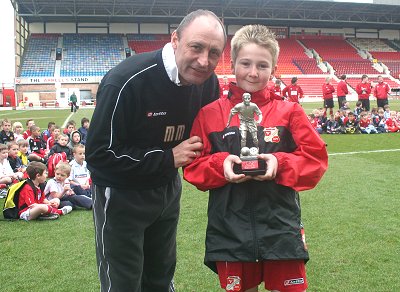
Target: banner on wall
(56,80)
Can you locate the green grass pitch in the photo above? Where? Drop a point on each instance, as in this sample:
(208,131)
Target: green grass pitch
(351,220)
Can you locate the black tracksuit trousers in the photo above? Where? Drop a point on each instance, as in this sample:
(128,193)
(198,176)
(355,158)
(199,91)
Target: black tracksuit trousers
(136,237)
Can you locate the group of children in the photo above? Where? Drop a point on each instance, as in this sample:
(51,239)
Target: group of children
(53,164)
(345,121)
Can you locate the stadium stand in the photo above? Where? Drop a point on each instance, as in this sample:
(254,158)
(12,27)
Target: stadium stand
(90,54)
(341,55)
(289,49)
(38,60)
(312,86)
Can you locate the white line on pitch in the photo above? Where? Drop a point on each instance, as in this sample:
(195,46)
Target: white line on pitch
(66,121)
(360,152)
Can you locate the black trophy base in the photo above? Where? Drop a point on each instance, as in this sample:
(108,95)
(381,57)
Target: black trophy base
(250,166)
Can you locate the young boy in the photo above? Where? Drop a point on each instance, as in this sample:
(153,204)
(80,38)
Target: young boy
(327,92)
(59,187)
(53,137)
(37,150)
(29,124)
(80,175)
(351,124)
(85,123)
(61,146)
(7,175)
(75,139)
(18,131)
(254,230)
(71,126)
(32,203)
(23,151)
(14,160)
(46,134)
(6,135)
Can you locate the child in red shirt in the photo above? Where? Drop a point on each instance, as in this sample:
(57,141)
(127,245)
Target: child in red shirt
(32,202)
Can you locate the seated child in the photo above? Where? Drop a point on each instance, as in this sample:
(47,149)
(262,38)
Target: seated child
(351,124)
(23,151)
(379,121)
(27,133)
(80,175)
(7,175)
(6,135)
(18,131)
(53,137)
(59,188)
(391,124)
(75,139)
(84,129)
(365,125)
(37,150)
(32,202)
(333,126)
(61,146)
(14,160)
(46,134)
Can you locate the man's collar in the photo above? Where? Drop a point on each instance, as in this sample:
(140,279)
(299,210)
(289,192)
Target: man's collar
(168,56)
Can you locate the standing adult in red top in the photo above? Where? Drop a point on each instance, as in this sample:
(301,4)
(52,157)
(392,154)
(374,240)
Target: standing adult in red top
(342,90)
(224,87)
(327,92)
(363,90)
(293,92)
(381,91)
(276,89)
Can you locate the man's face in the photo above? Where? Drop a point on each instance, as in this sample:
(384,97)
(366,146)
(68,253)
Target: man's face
(198,50)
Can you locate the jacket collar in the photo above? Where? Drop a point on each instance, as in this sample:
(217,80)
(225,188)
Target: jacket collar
(258,97)
(168,57)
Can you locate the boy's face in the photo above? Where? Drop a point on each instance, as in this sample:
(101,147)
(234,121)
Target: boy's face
(56,132)
(30,124)
(70,128)
(79,155)
(13,151)
(42,177)
(351,117)
(18,129)
(86,125)
(76,137)
(23,148)
(36,133)
(3,154)
(253,67)
(7,127)
(63,141)
(60,176)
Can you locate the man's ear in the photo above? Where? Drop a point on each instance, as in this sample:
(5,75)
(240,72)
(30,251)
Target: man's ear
(174,40)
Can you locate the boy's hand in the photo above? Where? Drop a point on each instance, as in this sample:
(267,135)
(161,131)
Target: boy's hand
(230,176)
(272,167)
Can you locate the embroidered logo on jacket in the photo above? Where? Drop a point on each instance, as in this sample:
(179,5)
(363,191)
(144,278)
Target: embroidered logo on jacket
(271,135)
(233,283)
(156,114)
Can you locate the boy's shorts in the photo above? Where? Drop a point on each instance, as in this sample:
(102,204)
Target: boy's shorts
(284,276)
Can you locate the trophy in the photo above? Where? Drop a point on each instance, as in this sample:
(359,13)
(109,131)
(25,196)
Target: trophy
(250,165)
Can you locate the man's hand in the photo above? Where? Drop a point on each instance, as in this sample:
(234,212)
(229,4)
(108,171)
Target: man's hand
(272,167)
(187,151)
(229,174)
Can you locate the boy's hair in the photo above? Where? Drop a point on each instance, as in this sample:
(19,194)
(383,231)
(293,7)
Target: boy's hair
(22,142)
(57,127)
(255,34)
(364,76)
(386,106)
(358,103)
(27,121)
(3,147)
(84,120)
(33,128)
(350,114)
(16,124)
(34,168)
(63,135)
(278,82)
(77,147)
(64,167)
(5,121)
(294,80)
(71,123)
(10,144)
(343,77)
(50,124)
